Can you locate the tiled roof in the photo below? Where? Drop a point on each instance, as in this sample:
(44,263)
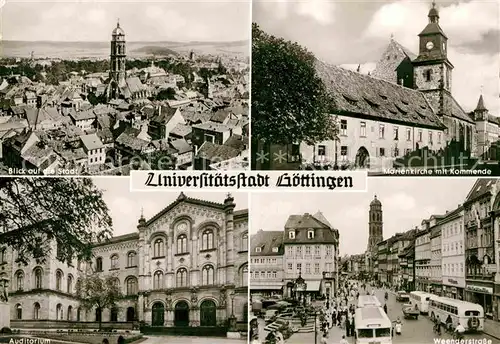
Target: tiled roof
(266,241)
(358,95)
(193,117)
(212,126)
(163,114)
(480,188)
(130,141)
(220,116)
(323,233)
(181,146)
(455,110)
(181,130)
(214,152)
(237,142)
(82,115)
(91,141)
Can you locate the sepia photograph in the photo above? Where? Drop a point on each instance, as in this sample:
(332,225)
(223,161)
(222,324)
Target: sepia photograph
(106,87)
(85,261)
(410,261)
(389,87)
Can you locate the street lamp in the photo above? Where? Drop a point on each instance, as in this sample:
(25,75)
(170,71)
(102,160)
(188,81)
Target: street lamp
(232,318)
(232,295)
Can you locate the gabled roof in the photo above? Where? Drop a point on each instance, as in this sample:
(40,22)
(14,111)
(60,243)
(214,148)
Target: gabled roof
(182,198)
(163,114)
(266,241)
(358,95)
(91,141)
(304,221)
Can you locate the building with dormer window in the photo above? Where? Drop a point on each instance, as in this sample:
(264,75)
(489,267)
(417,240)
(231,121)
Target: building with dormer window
(310,252)
(266,259)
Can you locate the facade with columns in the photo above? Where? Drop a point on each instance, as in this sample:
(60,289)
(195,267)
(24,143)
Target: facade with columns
(186,266)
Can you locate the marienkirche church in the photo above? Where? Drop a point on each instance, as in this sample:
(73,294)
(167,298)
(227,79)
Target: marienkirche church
(404,106)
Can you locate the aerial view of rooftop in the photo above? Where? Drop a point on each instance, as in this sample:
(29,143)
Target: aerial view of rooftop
(103,88)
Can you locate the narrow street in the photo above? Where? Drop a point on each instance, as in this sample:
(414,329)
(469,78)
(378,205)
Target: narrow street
(413,331)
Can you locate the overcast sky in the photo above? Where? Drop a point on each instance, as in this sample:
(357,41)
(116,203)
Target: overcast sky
(85,20)
(125,206)
(355,32)
(405,203)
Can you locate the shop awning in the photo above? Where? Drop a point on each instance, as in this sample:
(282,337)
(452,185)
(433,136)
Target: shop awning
(313,285)
(266,287)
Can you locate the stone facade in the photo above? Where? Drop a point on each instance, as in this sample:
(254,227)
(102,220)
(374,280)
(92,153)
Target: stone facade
(187,266)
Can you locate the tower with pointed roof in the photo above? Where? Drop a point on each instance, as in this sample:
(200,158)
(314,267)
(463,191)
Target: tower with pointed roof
(484,123)
(432,69)
(117,61)
(375,224)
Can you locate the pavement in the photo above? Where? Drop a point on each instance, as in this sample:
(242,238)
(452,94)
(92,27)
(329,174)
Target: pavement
(191,340)
(413,331)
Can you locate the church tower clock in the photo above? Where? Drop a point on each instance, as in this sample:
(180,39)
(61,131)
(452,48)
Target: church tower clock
(432,69)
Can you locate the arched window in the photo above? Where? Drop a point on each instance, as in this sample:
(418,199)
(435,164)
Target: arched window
(208,275)
(114,261)
(158,280)
(19,312)
(182,243)
(244,242)
(207,239)
(36,311)
(158,248)
(131,286)
(70,313)
(38,278)
(131,259)
(20,281)
(3,255)
(98,264)
(69,286)
(59,312)
(244,276)
(59,276)
(182,276)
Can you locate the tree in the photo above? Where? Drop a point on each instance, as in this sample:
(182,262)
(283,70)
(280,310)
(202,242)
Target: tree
(36,212)
(167,94)
(287,91)
(100,293)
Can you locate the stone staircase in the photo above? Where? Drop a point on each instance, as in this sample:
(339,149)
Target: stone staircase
(294,323)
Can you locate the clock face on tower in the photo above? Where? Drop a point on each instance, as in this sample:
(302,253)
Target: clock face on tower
(429,45)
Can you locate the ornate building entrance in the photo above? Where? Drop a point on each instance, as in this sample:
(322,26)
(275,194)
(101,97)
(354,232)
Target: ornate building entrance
(208,313)
(158,316)
(181,315)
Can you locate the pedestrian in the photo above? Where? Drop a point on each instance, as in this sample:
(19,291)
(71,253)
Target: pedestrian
(343,340)
(342,321)
(385,308)
(353,327)
(347,327)
(323,339)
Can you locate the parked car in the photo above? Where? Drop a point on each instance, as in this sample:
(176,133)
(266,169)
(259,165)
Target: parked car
(402,296)
(270,315)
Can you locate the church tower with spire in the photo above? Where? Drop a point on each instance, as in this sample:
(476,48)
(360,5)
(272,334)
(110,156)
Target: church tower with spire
(432,69)
(481,117)
(117,72)
(375,224)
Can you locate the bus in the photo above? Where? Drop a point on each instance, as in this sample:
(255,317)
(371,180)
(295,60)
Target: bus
(469,315)
(368,301)
(420,300)
(372,325)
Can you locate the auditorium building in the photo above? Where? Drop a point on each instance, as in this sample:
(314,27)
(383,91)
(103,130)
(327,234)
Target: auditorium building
(185,267)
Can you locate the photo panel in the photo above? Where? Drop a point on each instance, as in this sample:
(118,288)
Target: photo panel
(84,260)
(392,88)
(385,265)
(106,87)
